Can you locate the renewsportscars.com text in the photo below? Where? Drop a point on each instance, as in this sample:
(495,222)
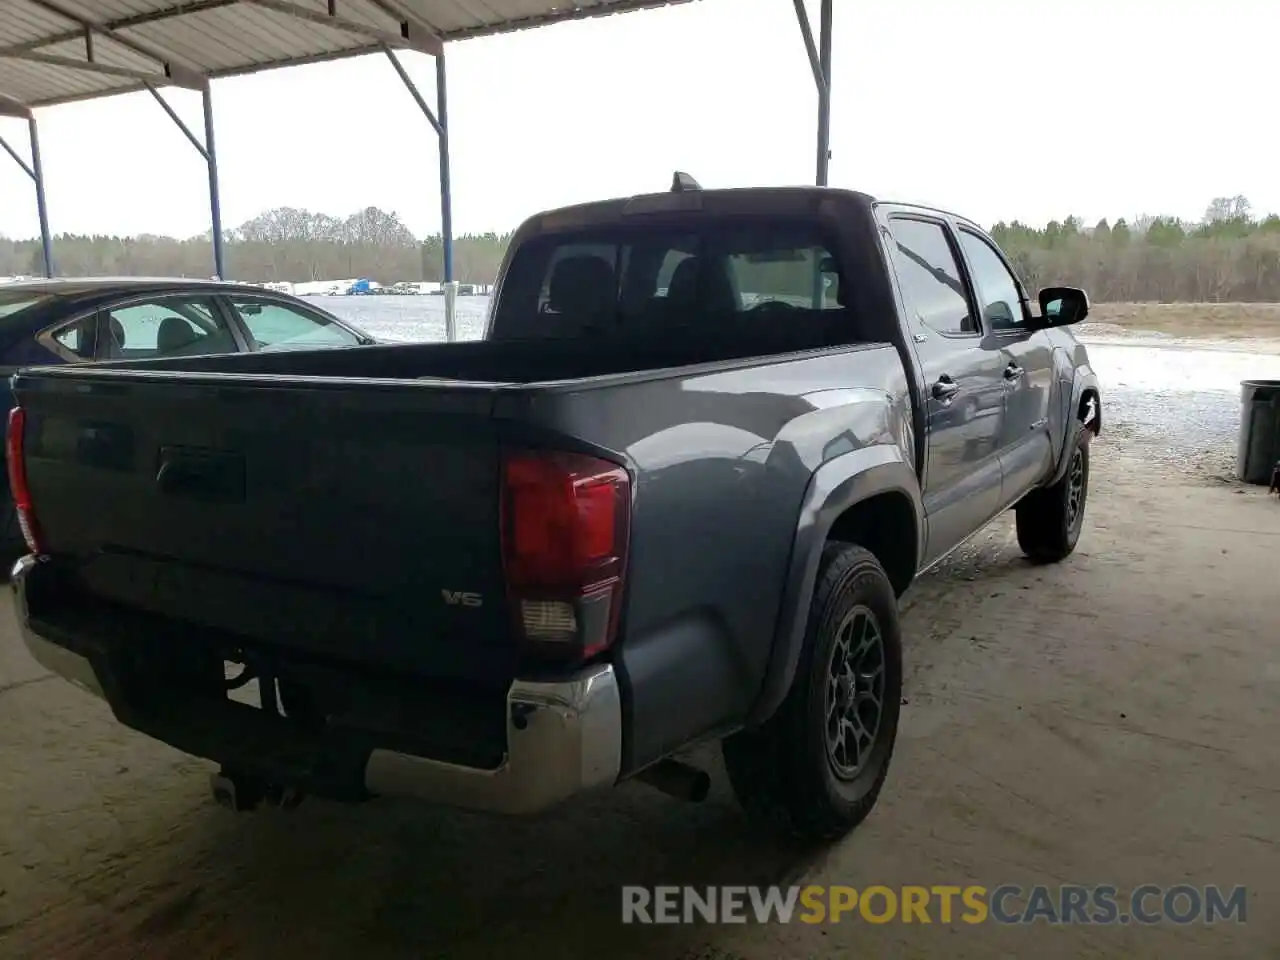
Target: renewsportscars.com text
(972,904)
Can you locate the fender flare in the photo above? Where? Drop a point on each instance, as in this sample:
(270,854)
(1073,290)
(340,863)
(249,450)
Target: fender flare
(837,485)
(1084,381)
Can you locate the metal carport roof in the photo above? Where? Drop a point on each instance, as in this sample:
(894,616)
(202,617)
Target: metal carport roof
(59,51)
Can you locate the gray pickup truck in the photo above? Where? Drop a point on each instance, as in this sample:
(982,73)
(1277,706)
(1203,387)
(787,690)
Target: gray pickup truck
(671,497)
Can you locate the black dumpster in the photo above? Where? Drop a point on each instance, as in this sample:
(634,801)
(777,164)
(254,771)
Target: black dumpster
(1259,448)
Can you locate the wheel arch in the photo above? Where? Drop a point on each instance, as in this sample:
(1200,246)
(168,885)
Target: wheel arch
(1084,392)
(870,497)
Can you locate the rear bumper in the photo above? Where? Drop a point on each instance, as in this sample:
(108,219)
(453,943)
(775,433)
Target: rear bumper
(563,737)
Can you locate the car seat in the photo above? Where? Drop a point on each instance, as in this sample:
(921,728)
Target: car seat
(174,335)
(584,291)
(700,286)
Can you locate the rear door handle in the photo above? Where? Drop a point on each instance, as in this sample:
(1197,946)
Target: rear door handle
(1013,372)
(945,388)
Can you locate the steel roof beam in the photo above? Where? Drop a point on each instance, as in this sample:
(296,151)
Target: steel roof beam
(406,18)
(412,87)
(175,71)
(811,48)
(123,23)
(10,107)
(411,34)
(102,69)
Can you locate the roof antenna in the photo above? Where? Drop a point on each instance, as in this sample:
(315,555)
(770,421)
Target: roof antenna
(683,183)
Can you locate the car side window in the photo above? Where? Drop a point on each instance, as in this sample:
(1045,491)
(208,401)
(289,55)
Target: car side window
(998,291)
(275,326)
(930,276)
(78,337)
(165,327)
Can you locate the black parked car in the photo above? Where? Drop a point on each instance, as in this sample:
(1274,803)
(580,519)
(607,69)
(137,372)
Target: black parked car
(114,318)
(78,320)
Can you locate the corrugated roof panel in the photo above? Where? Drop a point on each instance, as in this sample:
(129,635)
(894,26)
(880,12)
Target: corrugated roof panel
(459,19)
(362,11)
(32,82)
(218,37)
(22,22)
(103,11)
(105,51)
(230,38)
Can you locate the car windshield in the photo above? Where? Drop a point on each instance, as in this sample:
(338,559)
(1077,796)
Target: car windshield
(624,279)
(13,301)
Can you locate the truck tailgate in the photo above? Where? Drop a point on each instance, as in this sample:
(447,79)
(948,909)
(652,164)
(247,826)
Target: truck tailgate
(356,521)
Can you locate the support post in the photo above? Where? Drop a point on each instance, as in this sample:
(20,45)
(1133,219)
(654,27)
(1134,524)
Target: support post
(820,63)
(42,209)
(446,203)
(35,170)
(824,93)
(439,120)
(215,197)
(209,153)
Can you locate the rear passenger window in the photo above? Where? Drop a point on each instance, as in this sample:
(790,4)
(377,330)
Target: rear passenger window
(172,327)
(77,338)
(930,277)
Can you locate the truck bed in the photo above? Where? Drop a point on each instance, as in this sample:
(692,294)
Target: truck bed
(324,500)
(532,360)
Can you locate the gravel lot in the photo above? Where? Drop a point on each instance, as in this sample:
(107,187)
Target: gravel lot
(1179,402)
(1108,720)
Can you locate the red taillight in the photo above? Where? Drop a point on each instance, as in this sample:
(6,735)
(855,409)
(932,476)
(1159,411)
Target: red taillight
(15,453)
(565,524)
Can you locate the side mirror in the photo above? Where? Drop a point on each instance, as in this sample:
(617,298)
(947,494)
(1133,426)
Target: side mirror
(1062,306)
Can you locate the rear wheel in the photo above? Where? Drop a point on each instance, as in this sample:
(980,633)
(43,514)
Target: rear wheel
(817,766)
(1049,520)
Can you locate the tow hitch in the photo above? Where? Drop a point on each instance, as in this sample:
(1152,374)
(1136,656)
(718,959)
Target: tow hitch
(241,792)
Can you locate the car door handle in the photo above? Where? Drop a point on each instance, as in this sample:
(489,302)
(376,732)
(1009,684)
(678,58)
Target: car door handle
(945,388)
(1013,372)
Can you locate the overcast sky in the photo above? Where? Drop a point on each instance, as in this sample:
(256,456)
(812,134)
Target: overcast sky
(998,109)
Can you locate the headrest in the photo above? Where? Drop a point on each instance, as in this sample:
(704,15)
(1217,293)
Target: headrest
(174,334)
(702,285)
(583,284)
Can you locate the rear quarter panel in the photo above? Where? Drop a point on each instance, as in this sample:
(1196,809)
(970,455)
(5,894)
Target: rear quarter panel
(722,460)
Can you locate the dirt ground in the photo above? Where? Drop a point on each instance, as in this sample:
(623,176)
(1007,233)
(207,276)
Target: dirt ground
(1108,720)
(1250,321)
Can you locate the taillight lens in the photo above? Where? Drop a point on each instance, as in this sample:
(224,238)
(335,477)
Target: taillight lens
(15,458)
(566,520)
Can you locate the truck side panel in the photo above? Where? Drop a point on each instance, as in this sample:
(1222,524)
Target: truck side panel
(722,462)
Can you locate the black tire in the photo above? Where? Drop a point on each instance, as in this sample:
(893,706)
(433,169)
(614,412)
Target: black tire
(1049,520)
(785,772)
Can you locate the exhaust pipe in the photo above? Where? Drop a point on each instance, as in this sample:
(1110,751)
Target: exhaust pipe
(677,779)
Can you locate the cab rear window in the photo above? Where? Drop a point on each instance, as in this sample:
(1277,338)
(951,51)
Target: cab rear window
(627,280)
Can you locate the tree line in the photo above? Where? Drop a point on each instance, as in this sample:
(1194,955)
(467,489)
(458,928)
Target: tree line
(285,243)
(1229,255)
